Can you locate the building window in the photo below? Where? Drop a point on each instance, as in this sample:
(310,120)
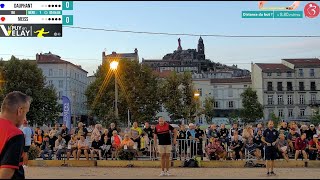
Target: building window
(216,104)
(270,99)
(289,86)
(50,72)
(230,104)
(301,86)
(245,86)
(300,72)
(313,99)
(313,86)
(290,99)
(290,112)
(60,72)
(280,113)
(289,74)
(278,73)
(230,92)
(280,99)
(270,86)
(50,82)
(60,83)
(311,72)
(279,86)
(301,112)
(269,74)
(200,91)
(301,99)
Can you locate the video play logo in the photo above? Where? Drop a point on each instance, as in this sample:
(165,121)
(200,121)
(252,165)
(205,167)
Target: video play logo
(1,5)
(311,10)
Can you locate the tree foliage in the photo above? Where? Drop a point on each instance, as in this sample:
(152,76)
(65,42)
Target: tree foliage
(315,119)
(208,108)
(138,92)
(25,76)
(252,109)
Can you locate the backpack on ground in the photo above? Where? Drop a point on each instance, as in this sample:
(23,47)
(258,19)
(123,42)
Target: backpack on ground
(190,163)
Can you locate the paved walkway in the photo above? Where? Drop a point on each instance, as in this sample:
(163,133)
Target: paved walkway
(177,173)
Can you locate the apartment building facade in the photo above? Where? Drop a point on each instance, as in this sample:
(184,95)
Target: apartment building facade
(289,89)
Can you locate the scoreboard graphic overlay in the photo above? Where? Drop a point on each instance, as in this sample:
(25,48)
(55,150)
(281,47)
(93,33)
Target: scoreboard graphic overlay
(34,18)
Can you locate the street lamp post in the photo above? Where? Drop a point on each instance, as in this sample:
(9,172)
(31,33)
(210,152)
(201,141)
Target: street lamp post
(114,66)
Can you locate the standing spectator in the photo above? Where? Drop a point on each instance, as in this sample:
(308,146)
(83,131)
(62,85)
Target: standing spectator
(14,108)
(314,147)
(300,147)
(283,147)
(136,134)
(46,148)
(81,131)
(83,147)
(27,137)
(312,131)
(60,146)
(111,129)
(162,133)
(200,135)
(72,147)
(192,140)
(96,132)
(223,133)
(257,140)
(95,147)
(65,133)
(182,145)
(270,138)
(213,132)
(53,134)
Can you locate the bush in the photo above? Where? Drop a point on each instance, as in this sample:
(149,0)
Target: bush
(33,152)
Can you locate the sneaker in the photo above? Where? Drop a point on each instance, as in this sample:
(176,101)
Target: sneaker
(272,173)
(167,173)
(25,166)
(162,174)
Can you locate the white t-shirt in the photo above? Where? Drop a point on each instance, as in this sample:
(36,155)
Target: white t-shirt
(28,134)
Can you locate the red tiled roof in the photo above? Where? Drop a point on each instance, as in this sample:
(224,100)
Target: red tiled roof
(231,80)
(304,62)
(276,67)
(163,74)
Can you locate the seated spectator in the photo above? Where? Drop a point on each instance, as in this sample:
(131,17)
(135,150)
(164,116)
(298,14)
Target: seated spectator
(236,146)
(252,148)
(259,127)
(314,147)
(38,138)
(312,131)
(60,146)
(247,134)
(45,148)
(136,132)
(105,133)
(257,141)
(106,147)
(72,147)
(81,131)
(214,150)
(213,132)
(83,148)
(95,147)
(283,146)
(292,136)
(223,133)
(53,135)
(127,143)
(65,133)
(284,128)
(116,142)
(300,146)
(96,132)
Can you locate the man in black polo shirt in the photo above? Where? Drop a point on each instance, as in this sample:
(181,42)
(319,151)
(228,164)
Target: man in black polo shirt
(270,138)
(14,108)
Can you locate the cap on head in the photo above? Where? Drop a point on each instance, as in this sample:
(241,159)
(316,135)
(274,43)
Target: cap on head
(311,125)
(315,136)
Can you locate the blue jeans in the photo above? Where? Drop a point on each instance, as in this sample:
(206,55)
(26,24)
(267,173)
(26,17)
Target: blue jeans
(44,152)
(59,152)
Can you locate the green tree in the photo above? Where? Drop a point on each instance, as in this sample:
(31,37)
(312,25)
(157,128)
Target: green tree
(208,109)
(138,92)
(252,109)
(315,119)
(276,120)
(190,104)
(25,76)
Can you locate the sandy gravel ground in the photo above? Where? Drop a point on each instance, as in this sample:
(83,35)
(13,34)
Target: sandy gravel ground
(177,173)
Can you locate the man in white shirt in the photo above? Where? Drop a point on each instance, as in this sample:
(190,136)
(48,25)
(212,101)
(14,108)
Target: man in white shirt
(27,131)
(83,148)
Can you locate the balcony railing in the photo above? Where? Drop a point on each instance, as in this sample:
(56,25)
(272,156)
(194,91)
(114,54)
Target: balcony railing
(314,102)
(270,88)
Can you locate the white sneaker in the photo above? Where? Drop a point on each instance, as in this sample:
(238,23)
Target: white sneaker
(162,174)
(24,166)
(167,173)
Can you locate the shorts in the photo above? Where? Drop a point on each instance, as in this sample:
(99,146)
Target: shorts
(82,151)
(165,149)
(26,148)
(271,153)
